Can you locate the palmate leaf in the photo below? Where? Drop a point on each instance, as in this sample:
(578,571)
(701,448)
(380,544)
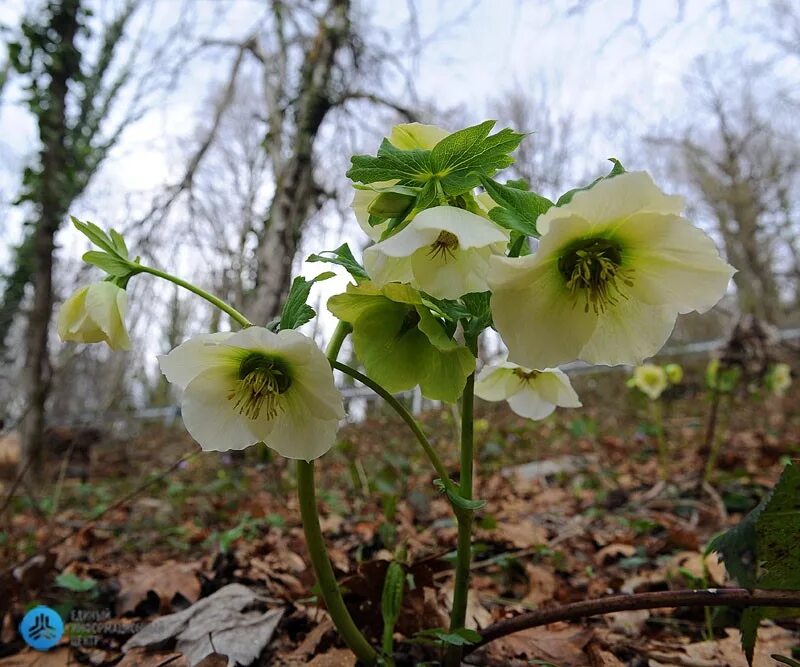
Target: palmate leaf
(451,163)
(517,209)
(341,256)
(761,552)
(296,312)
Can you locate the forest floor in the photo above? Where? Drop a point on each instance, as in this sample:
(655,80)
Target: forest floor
(575,509)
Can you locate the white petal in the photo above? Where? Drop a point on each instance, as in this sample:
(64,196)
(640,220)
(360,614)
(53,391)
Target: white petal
(539,322)
(613,199)
(408,136)
(473,231)
(446,277)
(554,386)
(296,434)
(674,262)
(209,416)
(383,269)
(496,383)
(629,332)
(193,357)
(528,403)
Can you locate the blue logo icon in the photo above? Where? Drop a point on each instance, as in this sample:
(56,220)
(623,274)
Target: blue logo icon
(42,628)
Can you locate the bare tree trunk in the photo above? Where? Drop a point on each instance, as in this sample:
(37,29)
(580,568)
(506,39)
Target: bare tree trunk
(52,186)
(296,192)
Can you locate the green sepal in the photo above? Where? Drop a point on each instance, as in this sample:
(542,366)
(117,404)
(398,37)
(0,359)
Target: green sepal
(616,170)
(296,312)
(341,256)
(401,343)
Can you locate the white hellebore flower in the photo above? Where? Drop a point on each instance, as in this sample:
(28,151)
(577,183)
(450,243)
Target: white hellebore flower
(256,386)
(94,314)
(443,251)
(650,379)
(531,394)
(368,199)
(614,268)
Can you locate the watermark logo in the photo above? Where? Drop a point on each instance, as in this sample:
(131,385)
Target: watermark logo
(42,628)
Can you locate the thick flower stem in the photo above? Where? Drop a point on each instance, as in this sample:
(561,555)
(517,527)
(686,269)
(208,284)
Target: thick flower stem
(216,301)
(458,613)
(323,570)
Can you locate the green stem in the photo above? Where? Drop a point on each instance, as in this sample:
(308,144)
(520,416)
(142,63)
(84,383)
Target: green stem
(714,439)
(405,415)
(216,301)
(458,614)
(323,570)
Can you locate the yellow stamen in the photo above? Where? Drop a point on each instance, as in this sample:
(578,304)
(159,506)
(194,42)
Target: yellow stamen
(444,246)
(257,391)
(593,269)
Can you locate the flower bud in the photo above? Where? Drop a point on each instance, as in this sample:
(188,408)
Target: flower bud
(95,313)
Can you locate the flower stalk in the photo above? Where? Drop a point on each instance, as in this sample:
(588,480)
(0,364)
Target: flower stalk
(323,570)
(458,614)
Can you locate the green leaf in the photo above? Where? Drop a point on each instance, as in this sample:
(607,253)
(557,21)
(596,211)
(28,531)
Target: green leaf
(616,170)
(342,256)
(391,601)
(460,637)
(517,209)
(111,264)
(96,235)
(296,312)
(74,583)
(408,167)
(761,551)
(785,660)
(119,243)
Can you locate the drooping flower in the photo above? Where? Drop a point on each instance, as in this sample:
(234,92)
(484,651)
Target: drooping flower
(779,379)
(379,199)
(721,377)
(674,373)
(94,314)
(614,268)
(650,379)
(532,394)
(443,251)
(400,342)
(256,386)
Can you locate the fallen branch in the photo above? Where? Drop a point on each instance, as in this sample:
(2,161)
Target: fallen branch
(711,597)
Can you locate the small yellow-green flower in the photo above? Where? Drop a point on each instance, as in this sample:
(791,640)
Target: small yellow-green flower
(532,394)
(722,378)
(674,373)
(94,314)
(256,386)
(650,379)
(779,379)
(400,342)
(614,268)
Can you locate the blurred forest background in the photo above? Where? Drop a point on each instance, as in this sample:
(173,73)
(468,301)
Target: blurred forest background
(215,136)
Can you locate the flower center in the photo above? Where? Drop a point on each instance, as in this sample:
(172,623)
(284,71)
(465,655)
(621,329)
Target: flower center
(261,382)
(444,246)
(593,269)
(526,376)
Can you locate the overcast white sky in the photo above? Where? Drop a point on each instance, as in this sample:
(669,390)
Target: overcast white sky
(595,66)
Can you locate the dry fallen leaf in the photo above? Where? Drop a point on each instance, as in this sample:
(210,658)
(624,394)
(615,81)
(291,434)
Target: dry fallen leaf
(727,652)
(166,581)
(563,646)
(57,657)
(216,624)
(542,584)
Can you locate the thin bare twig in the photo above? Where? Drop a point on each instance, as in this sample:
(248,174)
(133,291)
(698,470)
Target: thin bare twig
(711,597)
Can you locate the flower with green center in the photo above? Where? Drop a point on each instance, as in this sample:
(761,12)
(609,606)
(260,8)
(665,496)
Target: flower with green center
(779,379)
(532,394)
(377,198)
(443,251)
(674,373)
(614,268)
(400,343)
(256,386)
(650,379)
(94,314)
